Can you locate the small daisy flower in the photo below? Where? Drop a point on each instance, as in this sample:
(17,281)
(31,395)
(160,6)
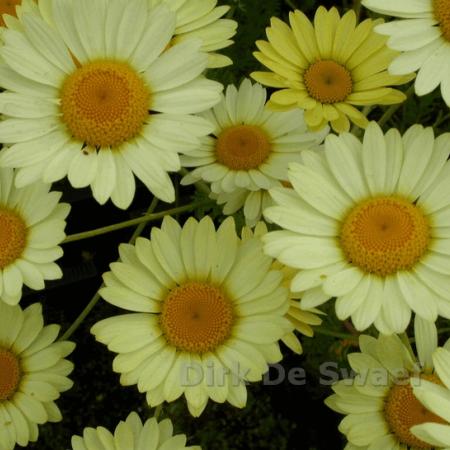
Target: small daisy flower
(202,19)
(12,10)
(97,97)
(369,224)
(436,398)
(250,148)
(32,223)
(302,320)
(379,405)
(423,39)
(208,312)
(328,68)
(33,373)
(132,434)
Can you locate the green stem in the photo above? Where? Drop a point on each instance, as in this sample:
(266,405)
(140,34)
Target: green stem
(326,332)
(79,320)
(357,8)
(158,411)
(291,4)
(132,222)
(392,109)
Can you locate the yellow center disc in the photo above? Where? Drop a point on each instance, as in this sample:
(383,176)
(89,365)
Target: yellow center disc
(328,82)
(8,7)
(9,374)
(13,236)
(403,410)
(196,317)
(242,147)
(384,235)
(442,14)
(104,103)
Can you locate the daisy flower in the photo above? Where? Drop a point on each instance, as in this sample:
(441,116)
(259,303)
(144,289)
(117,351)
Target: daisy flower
(32,225)
(369,224)
(328,68)
(423,40)
(302,320)
(208,313)
(379,403)
(436,398)
(33,373)
(12,10)
(250,147)
(202,19)
(132,434)
(98,99)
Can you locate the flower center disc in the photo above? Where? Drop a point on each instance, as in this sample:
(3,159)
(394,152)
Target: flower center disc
(104,103)
(328,82)
(9,374)
(242,147)
(8,7)
(402,411)
(384,235)
(13,237)
(196,317)
(442,14)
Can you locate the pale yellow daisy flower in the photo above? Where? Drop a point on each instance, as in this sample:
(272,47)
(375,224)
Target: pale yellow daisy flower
(368,223)
(208,314)
(132,434)
(32,223)
(97,97)
(328,68)
(33,373)
(379,404)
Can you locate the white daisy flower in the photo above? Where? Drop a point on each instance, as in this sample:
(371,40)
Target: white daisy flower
(11,11)
(33,373)
(208,314)
(301,319)
(97,98)
(379,403)
(132,434)
(251,146)
(423,38)
(32,225)
(436,398)
(202,19)
(369,224)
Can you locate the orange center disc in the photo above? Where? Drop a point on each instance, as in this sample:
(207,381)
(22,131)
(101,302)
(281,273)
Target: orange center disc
(8,7)
(9,374)
(104,103)
(328,82)
(13,236)
(442,14)
(385,235)
(196,317)
(403,410)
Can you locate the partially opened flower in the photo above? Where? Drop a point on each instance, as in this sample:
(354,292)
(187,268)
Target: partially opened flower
(132,434)
(368,223)
(379,405)
(328,68)
(98,98)
(33,373)
(250,148)
(301,319)
(32,223)
(202,19)
(423,38)
(436,398)
(208,312)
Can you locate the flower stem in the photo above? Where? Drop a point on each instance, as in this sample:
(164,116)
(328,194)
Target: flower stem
(392,109)
(149,217)
(326,332)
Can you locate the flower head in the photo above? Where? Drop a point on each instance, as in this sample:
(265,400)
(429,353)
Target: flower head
(368,223)
(208,312)
(132,434)
(97,97)
(33,373)
(327,68)
(423,39)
